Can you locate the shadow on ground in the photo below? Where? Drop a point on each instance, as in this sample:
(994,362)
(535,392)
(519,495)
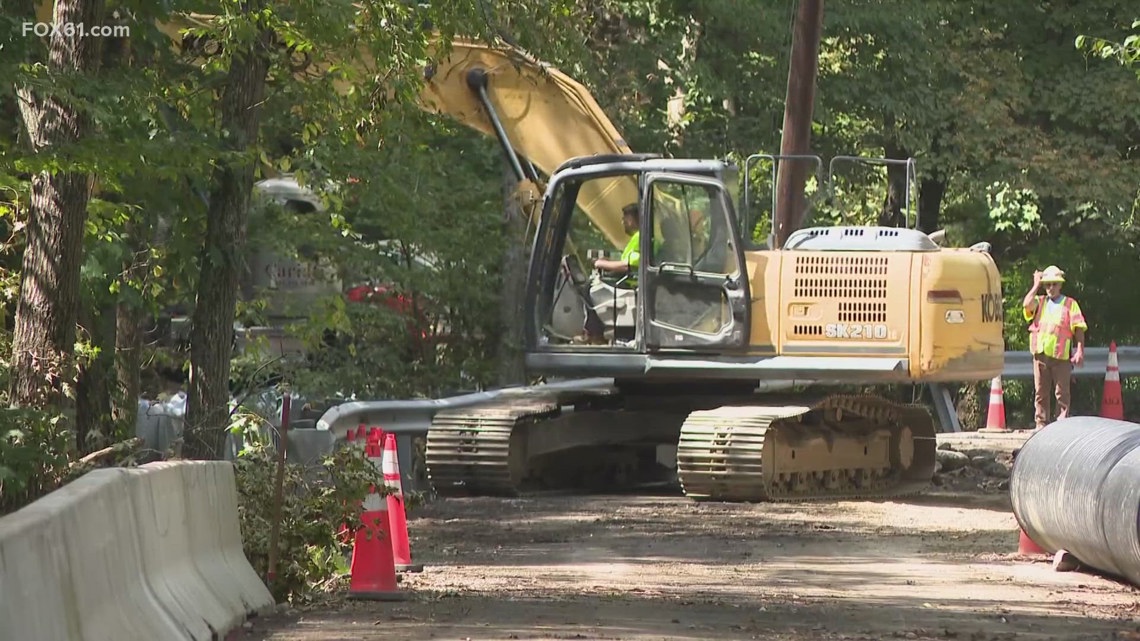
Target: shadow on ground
(661,567)
(994,502)
(498,532)
(634,616)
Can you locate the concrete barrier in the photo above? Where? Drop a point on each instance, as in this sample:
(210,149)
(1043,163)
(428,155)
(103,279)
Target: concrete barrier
(102,593)
(158,491)
(228,550)
(35,579)
(147,553)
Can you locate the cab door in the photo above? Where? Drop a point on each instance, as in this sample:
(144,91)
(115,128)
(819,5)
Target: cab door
(695,283)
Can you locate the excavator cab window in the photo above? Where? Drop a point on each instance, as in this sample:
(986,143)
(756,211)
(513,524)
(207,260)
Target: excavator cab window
(695,290)
(586,306)
(683,219)
(687,286)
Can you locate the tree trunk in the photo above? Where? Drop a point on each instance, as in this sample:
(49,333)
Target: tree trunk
(930,195)
(129,330)
(675,111)
(128,364)
(512,307)
(94,427)
(211,336)
(799,101)
(42,344)
(931,190)
(96,386)
(895,211)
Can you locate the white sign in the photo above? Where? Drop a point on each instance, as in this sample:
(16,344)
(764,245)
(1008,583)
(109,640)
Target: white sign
(844,330)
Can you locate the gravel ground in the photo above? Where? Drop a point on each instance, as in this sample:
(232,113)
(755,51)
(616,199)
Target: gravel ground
(943,565)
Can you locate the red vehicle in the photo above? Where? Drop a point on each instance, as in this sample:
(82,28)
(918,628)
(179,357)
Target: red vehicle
(418,323)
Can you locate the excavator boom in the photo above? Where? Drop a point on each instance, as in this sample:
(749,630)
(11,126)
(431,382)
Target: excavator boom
(540,116)
(551,117)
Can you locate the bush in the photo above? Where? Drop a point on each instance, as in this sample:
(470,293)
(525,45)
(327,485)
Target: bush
(35,456)
(317,500)
(38,456)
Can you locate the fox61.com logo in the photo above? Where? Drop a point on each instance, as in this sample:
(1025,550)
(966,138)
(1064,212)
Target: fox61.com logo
(75,30)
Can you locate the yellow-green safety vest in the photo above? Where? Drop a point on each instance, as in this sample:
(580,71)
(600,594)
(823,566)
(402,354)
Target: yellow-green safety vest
(1051,330)
(631,256)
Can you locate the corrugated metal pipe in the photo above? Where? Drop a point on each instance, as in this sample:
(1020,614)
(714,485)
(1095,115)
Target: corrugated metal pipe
(1075,486)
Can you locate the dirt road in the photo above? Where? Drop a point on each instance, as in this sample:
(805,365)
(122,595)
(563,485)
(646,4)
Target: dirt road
(634,567)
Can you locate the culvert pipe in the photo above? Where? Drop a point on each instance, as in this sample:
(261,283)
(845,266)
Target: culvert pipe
(1075,486)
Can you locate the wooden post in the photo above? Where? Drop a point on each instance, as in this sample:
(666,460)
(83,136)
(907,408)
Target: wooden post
(278,490)
(796,138)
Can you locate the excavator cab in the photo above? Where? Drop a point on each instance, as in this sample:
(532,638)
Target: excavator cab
(689,289)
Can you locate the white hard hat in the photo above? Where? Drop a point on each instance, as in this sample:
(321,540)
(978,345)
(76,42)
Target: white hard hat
(1053,274)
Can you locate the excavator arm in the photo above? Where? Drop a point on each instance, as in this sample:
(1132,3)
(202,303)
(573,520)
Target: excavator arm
(544,115)
(540,116)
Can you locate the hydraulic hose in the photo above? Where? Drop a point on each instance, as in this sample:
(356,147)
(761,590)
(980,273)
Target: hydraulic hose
(1075,486)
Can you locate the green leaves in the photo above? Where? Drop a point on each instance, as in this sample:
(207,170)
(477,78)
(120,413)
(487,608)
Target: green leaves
(1127,51)
(35,449)
(1013,209)
(1021,139)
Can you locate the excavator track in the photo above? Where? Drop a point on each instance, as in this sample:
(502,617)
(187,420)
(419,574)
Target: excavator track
(469,451)
(844,446)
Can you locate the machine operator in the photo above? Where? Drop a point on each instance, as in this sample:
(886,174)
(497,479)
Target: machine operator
(631,255)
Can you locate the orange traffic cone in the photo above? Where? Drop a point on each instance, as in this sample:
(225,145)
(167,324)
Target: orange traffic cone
(375,447)
(995,417)
(401,549)
(1026,546)
(373,569)
(1111,404)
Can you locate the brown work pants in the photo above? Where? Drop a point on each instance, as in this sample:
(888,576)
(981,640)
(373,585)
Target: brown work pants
(1051,377)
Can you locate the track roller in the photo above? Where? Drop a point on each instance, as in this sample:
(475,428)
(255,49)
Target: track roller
(476,451)
(842,447)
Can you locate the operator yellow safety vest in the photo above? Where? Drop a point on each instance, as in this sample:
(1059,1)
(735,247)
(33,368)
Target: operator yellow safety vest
(1052,327)
(631,256)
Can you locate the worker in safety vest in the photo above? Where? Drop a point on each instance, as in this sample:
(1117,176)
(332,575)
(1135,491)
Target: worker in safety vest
(1056,341)
(631,255)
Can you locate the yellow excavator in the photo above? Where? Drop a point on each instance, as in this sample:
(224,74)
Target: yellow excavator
(693,332)
(709,318)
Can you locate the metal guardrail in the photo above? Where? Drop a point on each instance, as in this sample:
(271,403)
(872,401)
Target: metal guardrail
(159,424)
(414,416)
(1020,364)
(410,419)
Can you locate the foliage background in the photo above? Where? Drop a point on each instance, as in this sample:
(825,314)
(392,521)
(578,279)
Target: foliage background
(1024,119)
